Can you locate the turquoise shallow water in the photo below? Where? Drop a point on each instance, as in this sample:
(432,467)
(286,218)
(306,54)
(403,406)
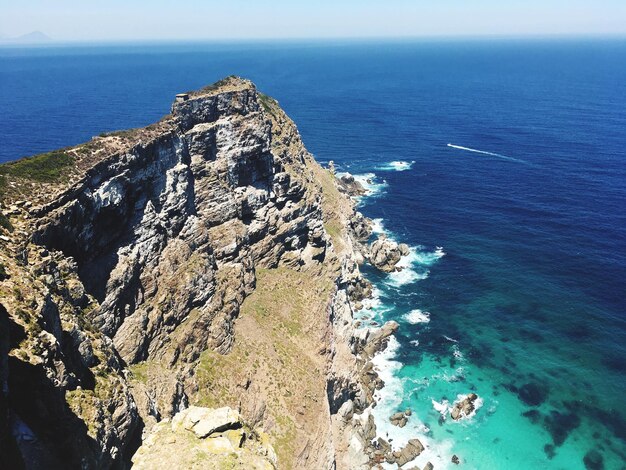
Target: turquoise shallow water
(543,400)
(527,306)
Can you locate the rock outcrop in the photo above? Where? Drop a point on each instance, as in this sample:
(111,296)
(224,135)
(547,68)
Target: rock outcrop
(401,457)
(202,438)
(400,419)
(204,260)
(464,407)
(385,254)
(351,186)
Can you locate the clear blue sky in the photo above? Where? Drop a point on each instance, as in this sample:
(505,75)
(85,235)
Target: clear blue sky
(227,19)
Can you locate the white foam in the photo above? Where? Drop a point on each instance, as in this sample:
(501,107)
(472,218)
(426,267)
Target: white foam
(389,399)
(398,165)
(417,316)
(442,407)
(406,276)
(426,258)
(377,226)
(478,403)
(415,342)
(390,396)
(458,376)
(412,266)
(458,355)
(373,307)
(370,183)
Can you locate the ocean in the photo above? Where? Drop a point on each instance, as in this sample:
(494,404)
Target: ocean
(501,163)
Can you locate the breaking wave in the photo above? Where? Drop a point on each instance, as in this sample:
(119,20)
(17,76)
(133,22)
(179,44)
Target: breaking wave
(413,267)
(399,165)
(370,182)
(417,316)
(378,226)
(388,401)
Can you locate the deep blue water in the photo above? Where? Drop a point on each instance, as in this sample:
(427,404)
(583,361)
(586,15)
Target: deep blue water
(532,285)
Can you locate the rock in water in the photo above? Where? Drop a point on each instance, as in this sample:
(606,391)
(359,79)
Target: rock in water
(351,186)
(464,407)
(404,249)
(385,254)
(593,460)
(409,452)
(398,419)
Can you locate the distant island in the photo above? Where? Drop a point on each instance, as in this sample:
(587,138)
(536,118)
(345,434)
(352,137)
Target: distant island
(34,37)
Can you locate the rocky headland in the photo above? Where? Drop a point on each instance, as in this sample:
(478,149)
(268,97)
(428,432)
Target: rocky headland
(183,294)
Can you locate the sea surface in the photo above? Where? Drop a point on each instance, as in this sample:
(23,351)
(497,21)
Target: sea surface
(502,163)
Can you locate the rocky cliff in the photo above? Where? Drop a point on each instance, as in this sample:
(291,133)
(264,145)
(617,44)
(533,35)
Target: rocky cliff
(204,260)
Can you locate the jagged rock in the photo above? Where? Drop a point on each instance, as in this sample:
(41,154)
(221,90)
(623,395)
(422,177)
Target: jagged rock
(455,460)
(361,227)
(147,251)
(376,339)
(398,419)
(171,445)
(464,407)
(385,254)
(428,466)
(383,445)
(409,452)
(351,186)
(404,249)
(346,410)
(206,421)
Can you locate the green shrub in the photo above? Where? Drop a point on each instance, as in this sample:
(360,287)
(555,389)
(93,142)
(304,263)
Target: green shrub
(214,86)
(267,102)
(45,167)
(5,223)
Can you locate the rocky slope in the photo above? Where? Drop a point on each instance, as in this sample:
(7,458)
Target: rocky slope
(204,260)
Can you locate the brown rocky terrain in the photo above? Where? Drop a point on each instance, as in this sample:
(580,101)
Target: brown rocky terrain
(205,260)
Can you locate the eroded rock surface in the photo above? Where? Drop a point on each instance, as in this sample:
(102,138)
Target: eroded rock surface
(125,275)
(385,253)
(464,407)
(203,438)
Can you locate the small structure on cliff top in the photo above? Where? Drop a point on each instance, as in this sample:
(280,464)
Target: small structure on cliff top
(180,97)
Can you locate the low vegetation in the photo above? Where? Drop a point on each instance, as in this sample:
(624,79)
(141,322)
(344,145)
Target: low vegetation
(267,102)
(5,223)
(3,272)
(276,346)
(215,86)
(46,167)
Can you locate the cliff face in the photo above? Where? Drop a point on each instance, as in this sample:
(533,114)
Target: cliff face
(206,259)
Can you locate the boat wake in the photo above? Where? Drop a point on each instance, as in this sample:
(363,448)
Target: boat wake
(491,154)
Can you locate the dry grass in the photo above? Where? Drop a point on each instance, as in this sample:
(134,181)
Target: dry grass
(277,349)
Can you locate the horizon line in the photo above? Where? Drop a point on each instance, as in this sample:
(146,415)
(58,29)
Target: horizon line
(433,37)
